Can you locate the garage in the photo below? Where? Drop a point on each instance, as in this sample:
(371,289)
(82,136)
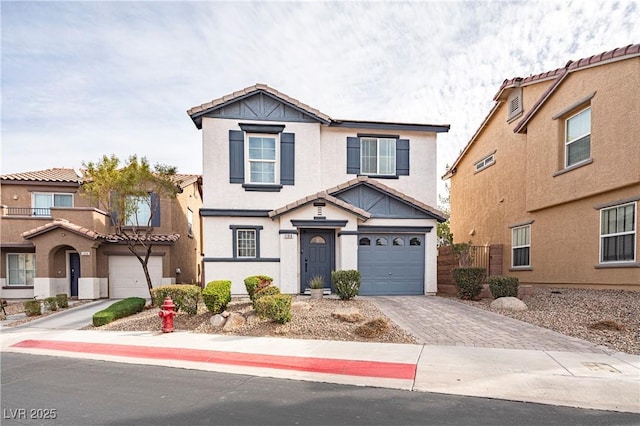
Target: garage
(126,277)
(391,264)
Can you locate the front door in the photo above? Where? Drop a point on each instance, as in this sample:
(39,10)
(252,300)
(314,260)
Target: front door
(74,268)
(317,256)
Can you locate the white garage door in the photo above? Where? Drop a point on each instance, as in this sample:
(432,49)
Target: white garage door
(126,277)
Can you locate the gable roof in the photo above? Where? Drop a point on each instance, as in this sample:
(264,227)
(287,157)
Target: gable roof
(197,112)
(556,77)
(330,195)
(91,234)
(61,175)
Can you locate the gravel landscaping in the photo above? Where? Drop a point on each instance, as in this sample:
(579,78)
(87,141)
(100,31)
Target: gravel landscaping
(605,317)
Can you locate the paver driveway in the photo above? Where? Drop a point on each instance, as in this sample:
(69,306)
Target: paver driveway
(435,320)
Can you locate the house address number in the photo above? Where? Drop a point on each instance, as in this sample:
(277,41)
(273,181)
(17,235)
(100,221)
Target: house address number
(85,253)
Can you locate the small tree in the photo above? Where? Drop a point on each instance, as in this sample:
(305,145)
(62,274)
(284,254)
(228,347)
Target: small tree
(132,194)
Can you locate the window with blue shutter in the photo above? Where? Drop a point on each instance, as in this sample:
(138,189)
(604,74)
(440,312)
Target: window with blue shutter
(378,156)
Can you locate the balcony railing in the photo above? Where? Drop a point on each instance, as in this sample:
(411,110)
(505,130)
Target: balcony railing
(27,211)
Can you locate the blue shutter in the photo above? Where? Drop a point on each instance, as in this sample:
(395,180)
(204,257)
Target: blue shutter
(353,155)
(114,214)
(402,157)
(287,158)
(155,202)
(236,156)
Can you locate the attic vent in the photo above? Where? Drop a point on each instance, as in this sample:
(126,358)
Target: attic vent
(514,103)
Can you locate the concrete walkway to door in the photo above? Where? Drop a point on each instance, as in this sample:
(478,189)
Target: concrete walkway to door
(435,320)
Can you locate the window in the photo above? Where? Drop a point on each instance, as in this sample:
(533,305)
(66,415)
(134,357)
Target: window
(398,241)
(189,222)
(485,162)
(415,241)
(262,159)
(618,233)
(317,240)
(21,269)
(381,241)
(521,246)
(138,210)
(365,241)
(246,242)
(42,202)
(578,138)
(378,156)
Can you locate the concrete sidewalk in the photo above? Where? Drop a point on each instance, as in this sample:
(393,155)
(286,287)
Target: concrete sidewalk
(576,379)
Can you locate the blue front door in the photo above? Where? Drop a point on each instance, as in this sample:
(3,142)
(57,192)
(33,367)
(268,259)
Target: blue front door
(74,269)
(317,256)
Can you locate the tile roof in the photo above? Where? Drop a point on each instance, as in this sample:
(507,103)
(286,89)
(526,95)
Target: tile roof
(363,214)
(48,175)
(93,235)
(201,109)
(183,180)
(328,195)
(391,191)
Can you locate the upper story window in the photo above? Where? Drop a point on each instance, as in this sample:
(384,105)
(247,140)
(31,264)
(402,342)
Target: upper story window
(42,202)
(189,222)
(262,159)
(578,138)
(521,246)
(378,156)
(618,233)
(487,161)
(138,211)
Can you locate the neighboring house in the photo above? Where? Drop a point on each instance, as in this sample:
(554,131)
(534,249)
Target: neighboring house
(293,193)
(55,241)
(553,174)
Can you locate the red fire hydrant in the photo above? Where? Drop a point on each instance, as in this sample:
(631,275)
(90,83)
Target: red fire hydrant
(167,313)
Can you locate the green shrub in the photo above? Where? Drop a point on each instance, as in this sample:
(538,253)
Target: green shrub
(255,283)
(32,308)
(469,281)
(216,295)
(62,300)
(276,307)
(184,296)
(501,286)
(265,291)
(51,303)
(346,283)
(120,309)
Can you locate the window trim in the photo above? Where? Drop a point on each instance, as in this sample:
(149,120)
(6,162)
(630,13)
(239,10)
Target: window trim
(236,248)
(276,161)
(514,247)
(53,198)
(8,275)
(378,139)
(567,143)
(601,237)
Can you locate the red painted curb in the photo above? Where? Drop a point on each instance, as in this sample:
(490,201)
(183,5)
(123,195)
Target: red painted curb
(387,370)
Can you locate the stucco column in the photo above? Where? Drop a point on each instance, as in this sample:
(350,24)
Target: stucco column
(289,251)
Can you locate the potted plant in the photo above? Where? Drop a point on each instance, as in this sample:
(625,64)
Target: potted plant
(317,286)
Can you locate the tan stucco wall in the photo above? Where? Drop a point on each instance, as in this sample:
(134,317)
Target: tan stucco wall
(186,251)
(521,186)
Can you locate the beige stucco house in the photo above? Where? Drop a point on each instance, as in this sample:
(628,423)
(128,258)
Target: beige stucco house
(553,174)
(55,241)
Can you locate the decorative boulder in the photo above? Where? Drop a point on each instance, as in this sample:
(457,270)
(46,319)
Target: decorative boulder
(217,320)
(300,306)
(373,328)
(234,322)
(509,304)
(252,318)
(348,315)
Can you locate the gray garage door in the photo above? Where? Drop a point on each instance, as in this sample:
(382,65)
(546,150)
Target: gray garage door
(391,264)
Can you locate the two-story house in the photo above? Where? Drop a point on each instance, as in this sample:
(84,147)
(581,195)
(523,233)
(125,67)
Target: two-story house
(553,174)
(55,241)
(292,193)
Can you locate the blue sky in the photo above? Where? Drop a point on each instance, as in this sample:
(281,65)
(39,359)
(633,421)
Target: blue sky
(83,79)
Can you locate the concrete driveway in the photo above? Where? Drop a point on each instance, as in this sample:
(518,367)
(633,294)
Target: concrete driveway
(71,319)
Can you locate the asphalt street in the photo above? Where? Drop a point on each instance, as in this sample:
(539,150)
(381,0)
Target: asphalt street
(47,390)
